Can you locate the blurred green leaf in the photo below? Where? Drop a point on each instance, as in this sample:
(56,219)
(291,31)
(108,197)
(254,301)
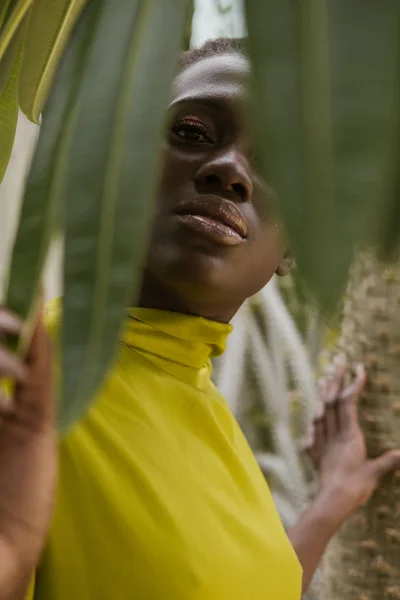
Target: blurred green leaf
(326,79)
(6,64)
(49,27)
(389,234)
(15,16)
(188,26)
(4,7)
(365,81)
(287,44)
(110,179)
(110,182)
(9,113)
(41,201)
(12,28)
(97,159)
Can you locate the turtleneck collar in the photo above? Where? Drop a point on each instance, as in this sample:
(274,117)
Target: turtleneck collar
(181,344)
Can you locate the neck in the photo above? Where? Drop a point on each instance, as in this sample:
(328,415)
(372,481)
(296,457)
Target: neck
(155,295)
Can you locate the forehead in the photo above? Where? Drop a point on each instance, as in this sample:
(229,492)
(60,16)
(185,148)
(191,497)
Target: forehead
(222,78)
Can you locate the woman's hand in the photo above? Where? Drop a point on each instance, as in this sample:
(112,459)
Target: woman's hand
(337,448)
(27,457)
(347,478)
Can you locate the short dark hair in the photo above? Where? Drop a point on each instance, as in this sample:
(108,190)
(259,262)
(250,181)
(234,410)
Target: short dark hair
(213,48)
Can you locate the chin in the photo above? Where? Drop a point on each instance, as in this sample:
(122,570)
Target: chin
(193,266)
(197,273)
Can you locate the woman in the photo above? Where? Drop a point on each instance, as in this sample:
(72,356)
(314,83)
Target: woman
(158,494)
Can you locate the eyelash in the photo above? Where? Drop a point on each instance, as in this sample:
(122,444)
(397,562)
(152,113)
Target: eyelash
(192,126)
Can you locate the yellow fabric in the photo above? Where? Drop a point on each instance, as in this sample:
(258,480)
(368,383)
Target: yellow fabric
(160,497)
(31,590)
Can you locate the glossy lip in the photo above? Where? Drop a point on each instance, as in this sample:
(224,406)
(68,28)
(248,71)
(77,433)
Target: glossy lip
(215,217)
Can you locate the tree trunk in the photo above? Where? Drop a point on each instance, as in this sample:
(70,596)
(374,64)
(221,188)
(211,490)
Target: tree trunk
(363,561)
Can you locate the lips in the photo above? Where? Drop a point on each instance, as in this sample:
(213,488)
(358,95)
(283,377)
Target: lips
(215,218)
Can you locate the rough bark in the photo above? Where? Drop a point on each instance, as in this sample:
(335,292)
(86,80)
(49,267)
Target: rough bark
(363,561)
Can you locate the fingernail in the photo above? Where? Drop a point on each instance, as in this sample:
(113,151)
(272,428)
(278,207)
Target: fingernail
(10,323)
(319,410)
(360,369)
(309,440)
(340,359)
(22,373)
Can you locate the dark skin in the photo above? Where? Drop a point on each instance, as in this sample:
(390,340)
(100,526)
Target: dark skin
(207,157)
(208,152)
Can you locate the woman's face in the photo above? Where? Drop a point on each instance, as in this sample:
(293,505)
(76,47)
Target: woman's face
(214,240)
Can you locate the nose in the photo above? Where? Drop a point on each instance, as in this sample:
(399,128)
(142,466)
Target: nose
(227,172)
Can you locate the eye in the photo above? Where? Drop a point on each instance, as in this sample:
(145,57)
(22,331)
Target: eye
(190,129)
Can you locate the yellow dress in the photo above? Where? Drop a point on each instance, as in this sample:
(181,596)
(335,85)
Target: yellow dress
(160,497)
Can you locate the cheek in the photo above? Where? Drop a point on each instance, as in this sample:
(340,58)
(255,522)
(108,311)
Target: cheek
(264,202)
(176,176)
(268,251)
(274,239)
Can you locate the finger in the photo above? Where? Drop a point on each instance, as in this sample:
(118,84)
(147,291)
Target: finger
(319,430)
(348,410)
(322,384)
(11,366)
(309,439)
(310,448)
(385,464)
(6,405)
(354,390)
(34,396)
(335,382)
(331,420)
(10,324)
(322,387)
(331,424)
(35,350)
(334,387)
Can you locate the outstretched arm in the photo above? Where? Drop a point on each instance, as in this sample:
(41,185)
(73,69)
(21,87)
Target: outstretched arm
(347,478)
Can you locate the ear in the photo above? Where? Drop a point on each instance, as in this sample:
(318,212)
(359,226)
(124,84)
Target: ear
(286,264)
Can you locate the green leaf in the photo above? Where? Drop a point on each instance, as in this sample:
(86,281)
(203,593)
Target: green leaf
(109,181)
(40,208)
(17,14)
(365,65)
(7,62)
(326,75)
(4,7)
(50,24)
(287,42)
(188,26)
(9,113)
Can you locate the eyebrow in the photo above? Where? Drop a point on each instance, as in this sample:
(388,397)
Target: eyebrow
(209,101)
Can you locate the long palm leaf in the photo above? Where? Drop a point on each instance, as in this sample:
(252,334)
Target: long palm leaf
(4,8)
(49,27)
(9,111)
(40,208)
(18,10)
(7,62)
(326,89)
(110,179)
